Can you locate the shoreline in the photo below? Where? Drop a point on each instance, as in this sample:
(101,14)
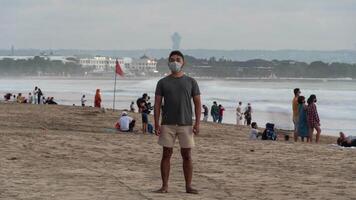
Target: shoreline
(345,79)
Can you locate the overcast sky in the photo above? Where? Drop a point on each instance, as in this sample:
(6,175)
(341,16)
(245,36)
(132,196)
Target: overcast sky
(206,24)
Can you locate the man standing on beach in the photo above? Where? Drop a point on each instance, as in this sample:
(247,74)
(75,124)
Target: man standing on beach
(295,112)
(177,90)
(239,114)
(214,111)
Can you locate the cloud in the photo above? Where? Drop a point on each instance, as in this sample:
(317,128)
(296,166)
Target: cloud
(224,24)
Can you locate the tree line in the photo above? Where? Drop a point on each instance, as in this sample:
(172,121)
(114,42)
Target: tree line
(213,67)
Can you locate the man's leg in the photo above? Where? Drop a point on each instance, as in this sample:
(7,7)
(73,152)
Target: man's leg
(188,169)
(165,168)
(295,130)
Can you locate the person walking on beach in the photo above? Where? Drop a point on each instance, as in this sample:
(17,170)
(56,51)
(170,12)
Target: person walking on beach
(214,111)
(295,112)
(97,99)
(221,113)
(205,113)
(303,129)
(177,91)
(239,114)
(83,100)
(313,119)
(248,114)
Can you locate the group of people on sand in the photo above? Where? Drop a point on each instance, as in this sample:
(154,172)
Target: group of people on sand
(305,117)
(36,97)
(216,112)
(245,114)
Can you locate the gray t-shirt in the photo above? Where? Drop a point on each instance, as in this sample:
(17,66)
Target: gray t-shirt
(177,96)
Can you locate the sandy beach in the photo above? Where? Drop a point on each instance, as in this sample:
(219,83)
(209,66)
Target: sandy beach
(66,152)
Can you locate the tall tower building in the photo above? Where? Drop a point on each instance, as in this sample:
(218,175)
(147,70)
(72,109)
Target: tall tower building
(12,50)
(176,38)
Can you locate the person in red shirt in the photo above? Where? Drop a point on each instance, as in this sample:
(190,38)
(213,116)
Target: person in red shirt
(221,113)
(97,100)
(313,119)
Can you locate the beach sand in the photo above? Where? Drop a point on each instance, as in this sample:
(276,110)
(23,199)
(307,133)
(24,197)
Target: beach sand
(65,152)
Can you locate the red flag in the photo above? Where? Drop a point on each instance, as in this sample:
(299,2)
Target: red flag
(118,69)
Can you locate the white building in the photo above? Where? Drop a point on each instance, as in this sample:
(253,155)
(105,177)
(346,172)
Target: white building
(131,67)
(142,65)
(101,63)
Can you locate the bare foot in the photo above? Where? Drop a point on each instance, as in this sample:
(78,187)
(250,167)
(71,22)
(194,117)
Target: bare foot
(191,190)
(161,190)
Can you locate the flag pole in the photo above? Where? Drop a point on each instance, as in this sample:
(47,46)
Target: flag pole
(113,103)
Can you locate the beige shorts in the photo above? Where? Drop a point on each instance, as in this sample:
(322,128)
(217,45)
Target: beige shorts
(169,133)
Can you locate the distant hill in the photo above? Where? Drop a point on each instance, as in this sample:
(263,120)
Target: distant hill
(344,56)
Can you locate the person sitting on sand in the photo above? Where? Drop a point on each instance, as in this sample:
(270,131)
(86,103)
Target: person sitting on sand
(97,99)
(30,98)
(126,123)
(19,97)
(349,141)
(7,96)
(254,133)
(51,101)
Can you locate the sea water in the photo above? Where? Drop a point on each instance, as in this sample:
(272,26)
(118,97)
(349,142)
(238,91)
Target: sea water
(270,99)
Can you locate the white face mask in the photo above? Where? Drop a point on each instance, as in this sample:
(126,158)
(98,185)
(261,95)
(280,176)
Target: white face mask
(175,66)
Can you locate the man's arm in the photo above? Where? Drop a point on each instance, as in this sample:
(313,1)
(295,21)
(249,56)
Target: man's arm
(157,113)
(197,109)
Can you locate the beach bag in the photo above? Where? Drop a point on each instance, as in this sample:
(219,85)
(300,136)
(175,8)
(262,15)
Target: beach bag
(269,133)
(117,125)
(150,128)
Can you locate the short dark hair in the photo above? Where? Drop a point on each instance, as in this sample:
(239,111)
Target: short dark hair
(176,52)
(253,124)
(301,99)
(296,90)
